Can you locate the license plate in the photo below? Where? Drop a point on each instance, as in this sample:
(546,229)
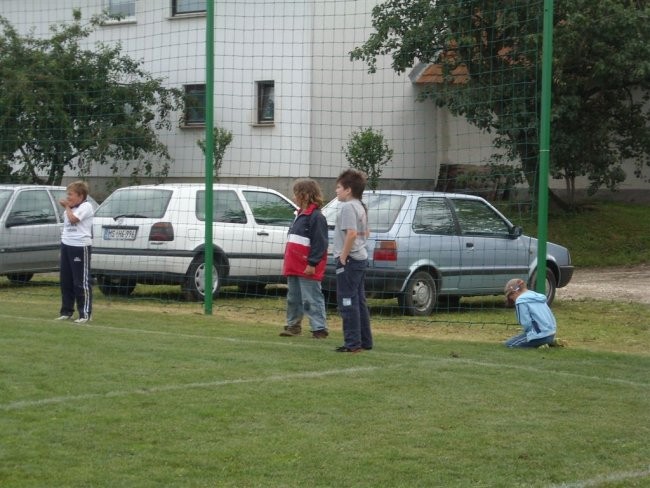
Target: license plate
(111,234)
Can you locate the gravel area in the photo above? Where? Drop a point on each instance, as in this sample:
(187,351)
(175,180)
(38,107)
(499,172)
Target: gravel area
(630,284)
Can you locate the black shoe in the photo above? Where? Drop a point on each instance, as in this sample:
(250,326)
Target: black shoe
(366,348)
(320,334)
(347,349)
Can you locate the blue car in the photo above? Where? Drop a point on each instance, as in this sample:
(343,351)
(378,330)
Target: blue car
(430,247)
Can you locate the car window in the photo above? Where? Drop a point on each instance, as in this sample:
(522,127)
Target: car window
(136,202)
(382,210)
(226,207)
(433,216)
(5,195)
(477,218)
(270,209)
(32,207)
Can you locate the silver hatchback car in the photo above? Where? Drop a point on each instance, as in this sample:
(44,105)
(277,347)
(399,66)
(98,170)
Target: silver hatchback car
(31,221)
(429,247)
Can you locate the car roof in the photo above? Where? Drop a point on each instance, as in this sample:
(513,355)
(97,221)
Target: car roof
(11,186)
(177,186)
(423,193)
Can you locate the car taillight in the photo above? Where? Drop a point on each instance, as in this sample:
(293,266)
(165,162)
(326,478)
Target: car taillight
(161,231)
(385,251)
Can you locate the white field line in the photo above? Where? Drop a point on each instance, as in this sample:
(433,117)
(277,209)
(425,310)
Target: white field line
(401,355)
(186,386)
(601,480)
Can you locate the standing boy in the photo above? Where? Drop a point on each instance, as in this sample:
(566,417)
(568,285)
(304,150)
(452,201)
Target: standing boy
(76,240)
(533,314)
(351,257)
(305,258)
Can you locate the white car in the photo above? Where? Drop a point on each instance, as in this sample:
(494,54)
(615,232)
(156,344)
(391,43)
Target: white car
(154,234)
(31,221)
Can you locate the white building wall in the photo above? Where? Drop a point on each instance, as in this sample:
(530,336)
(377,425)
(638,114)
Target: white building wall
(320,95)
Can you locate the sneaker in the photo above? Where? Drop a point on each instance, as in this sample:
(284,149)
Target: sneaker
(291,331)
(320,334)
(544,346)
(64,317)
(558,343)
(82,320)
(347,349)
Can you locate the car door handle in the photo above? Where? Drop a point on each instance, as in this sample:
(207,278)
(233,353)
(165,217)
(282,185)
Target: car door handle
(262,233)
(469,245)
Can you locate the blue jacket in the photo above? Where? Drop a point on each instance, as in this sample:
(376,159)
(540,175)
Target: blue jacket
(534,315)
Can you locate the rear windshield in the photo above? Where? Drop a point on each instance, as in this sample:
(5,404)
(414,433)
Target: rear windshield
(382,211)
(137,203)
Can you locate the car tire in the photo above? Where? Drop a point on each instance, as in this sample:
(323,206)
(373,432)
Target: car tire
(194,286)
(419,297)
(20,278)
(551,285)
(115,286)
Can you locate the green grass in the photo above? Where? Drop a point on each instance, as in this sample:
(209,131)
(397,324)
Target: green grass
(156,393)
(601,234)
(159,394)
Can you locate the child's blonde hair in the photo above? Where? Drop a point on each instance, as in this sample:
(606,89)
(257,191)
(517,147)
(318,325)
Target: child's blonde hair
(79,187)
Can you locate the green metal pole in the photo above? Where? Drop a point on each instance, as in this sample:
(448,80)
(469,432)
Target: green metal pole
(544,144)
(209,152)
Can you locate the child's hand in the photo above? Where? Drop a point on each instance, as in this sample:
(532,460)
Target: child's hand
(63,202)
(310,270)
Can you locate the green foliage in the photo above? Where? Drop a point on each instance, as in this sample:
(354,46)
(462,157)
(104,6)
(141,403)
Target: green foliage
(601,234)
(63,106)
(490,53)
(367,151)
(222,139)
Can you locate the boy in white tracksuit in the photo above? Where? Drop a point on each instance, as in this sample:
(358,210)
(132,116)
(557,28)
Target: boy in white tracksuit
(534,315)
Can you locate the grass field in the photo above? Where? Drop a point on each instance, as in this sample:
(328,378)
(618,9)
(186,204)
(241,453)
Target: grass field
(155,393)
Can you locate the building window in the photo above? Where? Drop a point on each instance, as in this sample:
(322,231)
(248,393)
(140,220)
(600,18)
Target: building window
(121,8)
(194,104)
(187,6)
(265,102)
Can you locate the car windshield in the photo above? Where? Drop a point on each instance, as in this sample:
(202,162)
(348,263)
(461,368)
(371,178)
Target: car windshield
(382,210)
(5,195)
(136,202)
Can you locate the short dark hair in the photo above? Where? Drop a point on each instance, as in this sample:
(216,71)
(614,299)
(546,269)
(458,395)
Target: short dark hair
(353,179)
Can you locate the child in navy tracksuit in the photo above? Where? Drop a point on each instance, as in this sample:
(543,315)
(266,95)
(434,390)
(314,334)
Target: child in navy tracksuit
(76,240)
(534,315)
(305,257)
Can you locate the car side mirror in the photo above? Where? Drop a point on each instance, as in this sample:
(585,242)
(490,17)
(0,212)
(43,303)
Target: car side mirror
(516,231)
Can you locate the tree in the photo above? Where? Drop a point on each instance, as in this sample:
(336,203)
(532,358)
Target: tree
(490,54)
(63,106)
(222,139)
(367,151)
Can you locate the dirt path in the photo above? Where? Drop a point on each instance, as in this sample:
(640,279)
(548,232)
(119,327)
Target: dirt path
(631,284)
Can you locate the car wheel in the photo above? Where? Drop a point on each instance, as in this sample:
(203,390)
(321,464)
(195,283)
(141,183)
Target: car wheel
(115,286)
(419,297)
(20,278)
(194,285)
(550,286)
